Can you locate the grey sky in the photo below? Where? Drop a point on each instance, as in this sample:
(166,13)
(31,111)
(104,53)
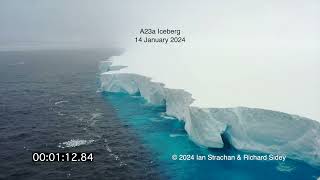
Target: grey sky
(58,23)
(81,23)
(103,22)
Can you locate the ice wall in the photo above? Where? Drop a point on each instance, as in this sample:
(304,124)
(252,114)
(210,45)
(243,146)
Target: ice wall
(247,129)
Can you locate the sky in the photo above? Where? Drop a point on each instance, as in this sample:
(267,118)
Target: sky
(228,24)
(59,23)
(255,53)
(79,23)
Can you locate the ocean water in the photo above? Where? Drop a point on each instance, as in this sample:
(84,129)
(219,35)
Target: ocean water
(49,102)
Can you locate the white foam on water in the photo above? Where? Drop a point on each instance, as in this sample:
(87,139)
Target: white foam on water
(75,143)
(60,114)
(108,148)
(116,157)
(59,102)
(167,117)
(177,135)
(136,96)
(92,121)
(284,167)
(99,90)
(95,115)
(122,163)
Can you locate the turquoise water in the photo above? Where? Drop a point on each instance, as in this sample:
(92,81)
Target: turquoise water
(166,136)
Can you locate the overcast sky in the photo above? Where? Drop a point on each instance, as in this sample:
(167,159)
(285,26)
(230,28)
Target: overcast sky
(81,23)
(116,22)
(59,23)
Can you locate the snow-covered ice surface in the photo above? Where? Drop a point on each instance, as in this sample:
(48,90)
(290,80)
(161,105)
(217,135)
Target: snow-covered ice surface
(281,81)
(248,129)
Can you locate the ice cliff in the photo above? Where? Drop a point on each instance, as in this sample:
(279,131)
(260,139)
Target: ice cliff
(247,129)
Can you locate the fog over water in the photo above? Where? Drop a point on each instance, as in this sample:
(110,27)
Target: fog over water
(263,54)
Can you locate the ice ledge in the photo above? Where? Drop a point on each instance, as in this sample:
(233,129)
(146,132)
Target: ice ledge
(247,129)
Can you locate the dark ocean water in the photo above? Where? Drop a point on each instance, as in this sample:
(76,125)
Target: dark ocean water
(48,98)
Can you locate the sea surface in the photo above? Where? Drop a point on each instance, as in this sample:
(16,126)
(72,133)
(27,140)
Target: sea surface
(50,101)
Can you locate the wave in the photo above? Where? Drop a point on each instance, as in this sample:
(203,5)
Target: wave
(247,129)
(59,102)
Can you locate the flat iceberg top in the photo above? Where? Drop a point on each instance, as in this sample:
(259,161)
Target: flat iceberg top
(286,82)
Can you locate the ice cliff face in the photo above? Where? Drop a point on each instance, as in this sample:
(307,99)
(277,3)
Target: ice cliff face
(247,129)
(268,131)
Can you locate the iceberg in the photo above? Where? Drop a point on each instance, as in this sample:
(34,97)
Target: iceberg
(246,129)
